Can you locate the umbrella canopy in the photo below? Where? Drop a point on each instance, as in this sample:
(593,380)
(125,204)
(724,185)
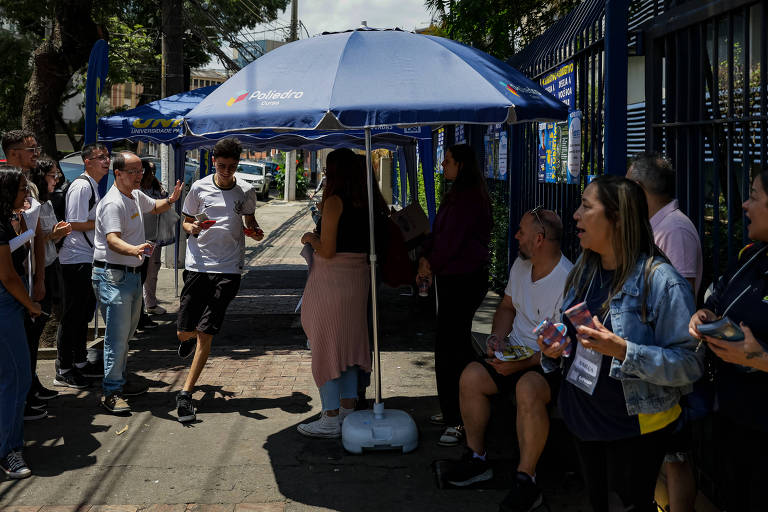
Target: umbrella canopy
(160,121)
(367,78)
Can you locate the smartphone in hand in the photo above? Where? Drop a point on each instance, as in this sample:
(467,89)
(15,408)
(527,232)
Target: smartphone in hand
(723,329)
(580,315)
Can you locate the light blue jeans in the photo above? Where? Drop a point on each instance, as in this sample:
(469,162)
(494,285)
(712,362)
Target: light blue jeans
(119,295)
(343,386)
(15,373)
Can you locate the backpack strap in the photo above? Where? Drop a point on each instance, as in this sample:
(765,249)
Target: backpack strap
(91,201)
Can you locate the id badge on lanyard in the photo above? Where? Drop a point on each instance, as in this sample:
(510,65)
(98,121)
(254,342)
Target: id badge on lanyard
(585,369)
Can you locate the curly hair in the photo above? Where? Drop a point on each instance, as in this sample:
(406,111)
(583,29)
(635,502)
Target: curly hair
(10,179)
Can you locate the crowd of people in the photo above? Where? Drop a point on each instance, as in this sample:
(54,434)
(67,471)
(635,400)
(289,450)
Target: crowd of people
(616,342)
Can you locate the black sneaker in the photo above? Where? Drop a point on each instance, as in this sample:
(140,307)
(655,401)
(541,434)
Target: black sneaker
(41,391)
(72,378)
(187,347)
(31,414)
(525,496)
(469,470)
(36,403)
(184,407)
(146,323)
(92,370)
(115,404)
(14,466)
(134,387)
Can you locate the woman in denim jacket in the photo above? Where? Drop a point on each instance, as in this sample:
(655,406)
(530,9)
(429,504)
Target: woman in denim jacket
(625,375)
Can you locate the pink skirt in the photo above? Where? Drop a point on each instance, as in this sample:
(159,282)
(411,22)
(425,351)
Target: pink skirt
(334,314)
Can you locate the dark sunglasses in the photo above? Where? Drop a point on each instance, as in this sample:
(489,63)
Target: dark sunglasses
(535,213)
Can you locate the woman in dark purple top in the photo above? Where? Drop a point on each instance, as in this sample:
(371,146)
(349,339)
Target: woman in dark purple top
(456,255)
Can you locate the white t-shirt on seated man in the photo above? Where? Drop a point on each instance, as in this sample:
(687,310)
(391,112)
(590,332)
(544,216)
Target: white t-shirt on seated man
(535,301)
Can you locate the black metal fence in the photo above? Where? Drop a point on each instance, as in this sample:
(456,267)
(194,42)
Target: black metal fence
(706,110)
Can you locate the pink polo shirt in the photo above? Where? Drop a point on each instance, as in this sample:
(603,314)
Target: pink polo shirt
(676,235)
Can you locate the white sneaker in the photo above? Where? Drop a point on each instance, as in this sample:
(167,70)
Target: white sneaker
(156,310)
(327,427)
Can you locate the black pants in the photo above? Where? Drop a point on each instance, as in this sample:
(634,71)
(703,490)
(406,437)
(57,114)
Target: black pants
(627,467)
(77,310)
(458,297)
(740,453)
(34,328)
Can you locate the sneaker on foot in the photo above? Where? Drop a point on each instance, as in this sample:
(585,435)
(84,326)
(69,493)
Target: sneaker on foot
(134,387)
(469,470)
(44,393)
(14,466)
(327,427)
(452,436)
(187,347)
(437,419)
(156,310)
(525,496)
(146,323)
(92,370)
(71,378)
(31,414)
(115,403)
(36,403)
(185,409)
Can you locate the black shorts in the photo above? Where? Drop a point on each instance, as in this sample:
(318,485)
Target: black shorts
(506,383)
(204,300)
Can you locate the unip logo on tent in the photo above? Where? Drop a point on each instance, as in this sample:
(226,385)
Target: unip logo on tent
(240,96)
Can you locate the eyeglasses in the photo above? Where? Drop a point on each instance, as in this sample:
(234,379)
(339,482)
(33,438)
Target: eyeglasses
(34,149)
(54,175)
(103,158)
(535,213)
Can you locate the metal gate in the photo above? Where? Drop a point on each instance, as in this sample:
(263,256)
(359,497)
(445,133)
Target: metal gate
(706,110)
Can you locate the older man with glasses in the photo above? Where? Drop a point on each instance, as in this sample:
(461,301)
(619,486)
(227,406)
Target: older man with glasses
(76,257)
(119,251)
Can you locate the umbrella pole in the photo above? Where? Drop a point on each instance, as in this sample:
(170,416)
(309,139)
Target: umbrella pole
(374,295)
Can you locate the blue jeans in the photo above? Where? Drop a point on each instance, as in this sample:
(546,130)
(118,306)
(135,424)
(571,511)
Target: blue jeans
(119,295)
(343,386)
(15,374)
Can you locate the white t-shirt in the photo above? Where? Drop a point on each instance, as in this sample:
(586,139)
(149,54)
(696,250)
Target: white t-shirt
(219,249)
(118,213)
(75,248)
(535,301)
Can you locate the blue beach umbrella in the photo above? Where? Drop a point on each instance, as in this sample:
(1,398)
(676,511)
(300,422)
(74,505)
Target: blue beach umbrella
(368,78)
(364,79)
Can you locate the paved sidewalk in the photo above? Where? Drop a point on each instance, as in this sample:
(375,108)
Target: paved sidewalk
(244,453)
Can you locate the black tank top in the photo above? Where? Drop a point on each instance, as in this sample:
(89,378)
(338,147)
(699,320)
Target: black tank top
(352,234)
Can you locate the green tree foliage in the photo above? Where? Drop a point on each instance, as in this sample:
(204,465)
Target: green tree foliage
(498,27)
(62,32)
(16,50)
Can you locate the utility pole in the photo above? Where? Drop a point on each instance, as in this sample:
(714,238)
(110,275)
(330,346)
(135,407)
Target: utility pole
(294,20)
(171,82)
(289,193)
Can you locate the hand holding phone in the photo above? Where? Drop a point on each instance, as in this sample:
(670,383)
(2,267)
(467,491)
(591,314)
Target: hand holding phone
(722,329)
(580,315)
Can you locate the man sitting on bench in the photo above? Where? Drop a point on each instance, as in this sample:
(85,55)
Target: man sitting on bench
(534,293)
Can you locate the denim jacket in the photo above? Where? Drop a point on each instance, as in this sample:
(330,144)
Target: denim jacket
(661,362)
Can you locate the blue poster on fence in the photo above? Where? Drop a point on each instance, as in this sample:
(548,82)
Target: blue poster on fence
(550,152)
(560,84)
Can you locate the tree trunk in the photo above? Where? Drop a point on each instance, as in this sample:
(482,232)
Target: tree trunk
(53,64)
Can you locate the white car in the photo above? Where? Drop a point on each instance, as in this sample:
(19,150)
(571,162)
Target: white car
(256,175)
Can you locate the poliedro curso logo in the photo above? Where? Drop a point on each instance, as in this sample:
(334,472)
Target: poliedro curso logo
(270,97)
(517,90)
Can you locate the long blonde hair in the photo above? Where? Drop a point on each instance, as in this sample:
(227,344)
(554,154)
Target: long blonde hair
(626,209)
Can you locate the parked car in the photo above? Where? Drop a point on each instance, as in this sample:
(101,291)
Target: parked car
(256,175)
(272,169)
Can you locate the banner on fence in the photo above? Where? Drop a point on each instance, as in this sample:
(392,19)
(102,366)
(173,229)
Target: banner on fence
(560,84)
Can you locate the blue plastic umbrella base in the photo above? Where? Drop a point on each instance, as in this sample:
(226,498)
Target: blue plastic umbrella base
(379,429)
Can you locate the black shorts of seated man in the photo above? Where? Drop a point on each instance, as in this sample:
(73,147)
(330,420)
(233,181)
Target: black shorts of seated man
(534,293)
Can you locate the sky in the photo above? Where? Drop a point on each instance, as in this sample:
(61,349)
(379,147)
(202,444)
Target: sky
(334,15)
